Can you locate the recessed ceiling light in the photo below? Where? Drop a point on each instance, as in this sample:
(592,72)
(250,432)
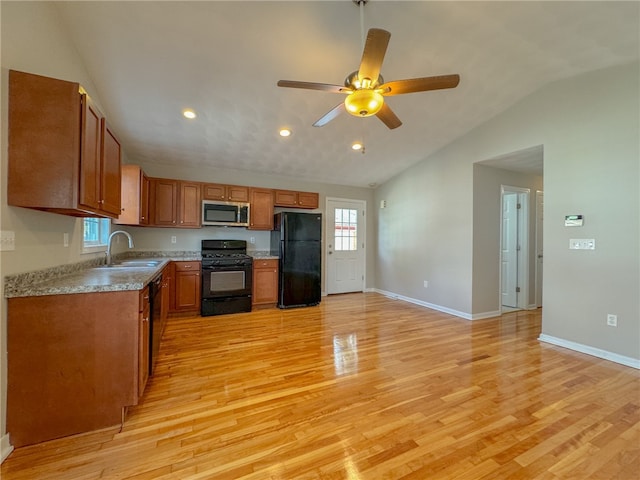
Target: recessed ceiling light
(357,146)
(188,113)
(285,132)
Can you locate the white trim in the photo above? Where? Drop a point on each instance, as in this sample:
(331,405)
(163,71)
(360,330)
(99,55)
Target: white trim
(365,240)
(523,242)
(482,316)
(595,352)
(432,306)
(5,447)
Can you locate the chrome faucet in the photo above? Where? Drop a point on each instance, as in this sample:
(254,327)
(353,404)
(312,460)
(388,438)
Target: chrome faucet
(113,234)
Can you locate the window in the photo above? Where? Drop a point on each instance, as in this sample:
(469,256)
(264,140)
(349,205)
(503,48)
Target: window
(96,234)
(346,229)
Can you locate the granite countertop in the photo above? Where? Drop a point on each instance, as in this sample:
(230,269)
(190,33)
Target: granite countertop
(92,276)
(263,255)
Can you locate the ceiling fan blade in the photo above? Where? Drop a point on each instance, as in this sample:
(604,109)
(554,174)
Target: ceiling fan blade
(411,85)
(326,87)
(388,117)
(330,115)
(373,54)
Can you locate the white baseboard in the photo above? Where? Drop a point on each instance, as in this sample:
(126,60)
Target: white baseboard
(5,447)
(595,352)
(482,316)
(432,306)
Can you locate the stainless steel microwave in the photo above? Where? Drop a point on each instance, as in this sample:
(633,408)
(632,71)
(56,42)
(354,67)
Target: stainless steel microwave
(230,214)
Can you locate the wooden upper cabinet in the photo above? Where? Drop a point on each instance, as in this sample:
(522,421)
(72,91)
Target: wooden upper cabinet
(62,155)
(290,198)
(227,193)
(111,172)
(261,212)
(190,207)
(164,202)
(134,197)
(175,203)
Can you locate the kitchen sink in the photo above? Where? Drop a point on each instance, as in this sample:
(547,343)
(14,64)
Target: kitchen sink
(132,264)
(138,263)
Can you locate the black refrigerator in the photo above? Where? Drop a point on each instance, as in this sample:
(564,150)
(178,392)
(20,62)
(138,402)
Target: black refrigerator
(296,240)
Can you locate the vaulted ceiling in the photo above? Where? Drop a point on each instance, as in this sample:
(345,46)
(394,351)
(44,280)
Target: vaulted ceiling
(151,60)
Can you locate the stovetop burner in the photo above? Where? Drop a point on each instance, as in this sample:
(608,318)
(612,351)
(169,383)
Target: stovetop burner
(225,252)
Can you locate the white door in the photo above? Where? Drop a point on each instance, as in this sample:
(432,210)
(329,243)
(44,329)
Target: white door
(345,245)
(539,246)
(509,247)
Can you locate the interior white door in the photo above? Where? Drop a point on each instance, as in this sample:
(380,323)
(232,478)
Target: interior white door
(509,247)
(539,245)
(345,245)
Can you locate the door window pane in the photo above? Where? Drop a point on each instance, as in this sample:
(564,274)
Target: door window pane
(346,229)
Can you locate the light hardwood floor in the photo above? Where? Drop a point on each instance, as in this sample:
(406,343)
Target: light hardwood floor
(361,387)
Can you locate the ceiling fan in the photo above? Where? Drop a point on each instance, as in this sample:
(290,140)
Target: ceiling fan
(366,89)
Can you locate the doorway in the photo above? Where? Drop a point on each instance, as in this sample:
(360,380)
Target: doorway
(345,244)
(514,248)
(539,245)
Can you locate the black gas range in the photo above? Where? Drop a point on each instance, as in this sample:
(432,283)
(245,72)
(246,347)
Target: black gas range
(227,277)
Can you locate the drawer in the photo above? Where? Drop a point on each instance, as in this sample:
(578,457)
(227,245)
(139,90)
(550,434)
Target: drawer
(187,266)
(270,263)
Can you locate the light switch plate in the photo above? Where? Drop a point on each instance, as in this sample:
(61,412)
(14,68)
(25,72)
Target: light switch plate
(582,244)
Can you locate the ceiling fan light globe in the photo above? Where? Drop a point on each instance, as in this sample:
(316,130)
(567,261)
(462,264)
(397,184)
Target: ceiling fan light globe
(363,103)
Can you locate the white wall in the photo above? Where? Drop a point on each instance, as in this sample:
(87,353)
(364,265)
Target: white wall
(589,129)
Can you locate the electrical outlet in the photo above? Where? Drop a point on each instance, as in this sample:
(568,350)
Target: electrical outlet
(7,240)
(173,239)
(65,239)
(612,320)
(426,284)
(252,240)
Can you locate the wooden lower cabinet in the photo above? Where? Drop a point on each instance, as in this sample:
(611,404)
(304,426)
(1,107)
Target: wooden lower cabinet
(265,282)
(74,362)
(144,339)
(185,288)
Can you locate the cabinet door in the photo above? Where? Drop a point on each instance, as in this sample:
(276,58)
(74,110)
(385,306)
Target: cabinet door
(237,194)
(261,209)
(187,286)
(134,196)
(212,191)
(91,147)
(190,205)
(265,282)
(308,200)
(286,198)
(164,202)
(145,187)
(110,184)
(144,332)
